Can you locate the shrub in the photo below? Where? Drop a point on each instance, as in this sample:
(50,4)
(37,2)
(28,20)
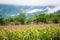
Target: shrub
(1,20)
(46,18)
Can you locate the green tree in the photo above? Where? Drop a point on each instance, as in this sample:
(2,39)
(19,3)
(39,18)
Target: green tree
(1,20)
(21,18)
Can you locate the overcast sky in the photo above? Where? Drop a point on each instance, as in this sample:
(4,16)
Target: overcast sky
(31,2)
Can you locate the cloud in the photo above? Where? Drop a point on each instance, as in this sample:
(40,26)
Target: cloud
(34,10)
(31,2)
(12,15)
(49,10)
(54,9)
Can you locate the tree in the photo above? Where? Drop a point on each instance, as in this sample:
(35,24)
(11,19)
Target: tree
(1,20)
(21,18)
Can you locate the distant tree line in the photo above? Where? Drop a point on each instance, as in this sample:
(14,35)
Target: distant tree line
(38,18)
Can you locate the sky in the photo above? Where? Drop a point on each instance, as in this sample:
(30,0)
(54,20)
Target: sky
(34,3)
(31,2)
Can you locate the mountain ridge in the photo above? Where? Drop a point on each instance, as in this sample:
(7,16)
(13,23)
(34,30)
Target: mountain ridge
(13,10)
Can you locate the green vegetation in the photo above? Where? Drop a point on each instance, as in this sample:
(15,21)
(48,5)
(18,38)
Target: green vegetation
(1,20)
(38,18)
(48,33)
(47,18)
(21,18)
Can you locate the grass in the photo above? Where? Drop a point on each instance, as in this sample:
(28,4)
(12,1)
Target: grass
(11,27)
(31,33)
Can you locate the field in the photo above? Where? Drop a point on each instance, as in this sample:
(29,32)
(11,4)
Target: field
(40,27)
(30,32)
(28,26)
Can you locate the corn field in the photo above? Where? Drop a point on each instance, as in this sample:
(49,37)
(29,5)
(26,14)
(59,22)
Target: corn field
(47,33)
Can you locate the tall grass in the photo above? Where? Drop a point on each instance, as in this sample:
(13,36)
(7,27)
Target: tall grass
(48,33)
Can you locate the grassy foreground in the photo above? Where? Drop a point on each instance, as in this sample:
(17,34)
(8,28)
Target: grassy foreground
(39,33)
